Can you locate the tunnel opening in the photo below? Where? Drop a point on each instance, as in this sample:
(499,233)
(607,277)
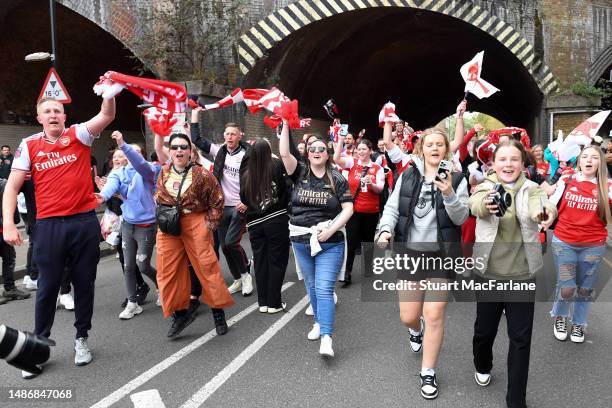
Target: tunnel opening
(85,51)
(364,58)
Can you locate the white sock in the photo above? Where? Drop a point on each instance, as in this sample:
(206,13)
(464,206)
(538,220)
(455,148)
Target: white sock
(427,371)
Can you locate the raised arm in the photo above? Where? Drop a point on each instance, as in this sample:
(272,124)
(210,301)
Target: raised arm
(162,152)
(136,159)
(196,137)
(289,161)
(459,127)
(388,136)
(104,118)
(338,159)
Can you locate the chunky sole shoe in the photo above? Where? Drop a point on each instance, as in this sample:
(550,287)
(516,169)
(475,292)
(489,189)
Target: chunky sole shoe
(179,324)
(283,308)
(482,379)
(429,386)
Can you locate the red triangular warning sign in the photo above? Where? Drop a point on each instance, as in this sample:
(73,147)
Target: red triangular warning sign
(54,88)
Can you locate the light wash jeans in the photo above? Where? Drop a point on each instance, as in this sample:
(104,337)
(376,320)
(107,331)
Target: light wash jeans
(320,275)
(577,267)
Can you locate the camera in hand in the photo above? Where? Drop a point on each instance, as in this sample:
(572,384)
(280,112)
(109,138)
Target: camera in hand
(501,198)
(24,350)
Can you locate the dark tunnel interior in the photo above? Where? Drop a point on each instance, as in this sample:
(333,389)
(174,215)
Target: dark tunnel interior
(412,57)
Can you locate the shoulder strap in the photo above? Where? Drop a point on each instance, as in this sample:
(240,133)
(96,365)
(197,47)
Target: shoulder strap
(178,196)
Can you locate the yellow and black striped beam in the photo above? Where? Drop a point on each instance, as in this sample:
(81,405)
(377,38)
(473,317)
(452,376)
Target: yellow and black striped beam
(278,25)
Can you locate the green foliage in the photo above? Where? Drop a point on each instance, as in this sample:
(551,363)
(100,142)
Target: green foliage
(581,88)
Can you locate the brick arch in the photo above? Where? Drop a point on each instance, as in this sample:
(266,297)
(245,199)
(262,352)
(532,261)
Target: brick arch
(275,27)
(599,65)
(113,17)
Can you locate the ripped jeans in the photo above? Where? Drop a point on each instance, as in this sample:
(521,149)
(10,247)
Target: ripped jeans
(577,269)
(138,243)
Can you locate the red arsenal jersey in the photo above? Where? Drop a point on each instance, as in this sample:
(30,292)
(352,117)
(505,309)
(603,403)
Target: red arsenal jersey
(367,201)
(578,219)
(61,171)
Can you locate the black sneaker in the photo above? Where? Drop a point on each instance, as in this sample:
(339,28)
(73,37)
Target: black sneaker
(179,322)
(220,323)
(577,334)
(15,294)
(194,304)
(429,386)
(141,293)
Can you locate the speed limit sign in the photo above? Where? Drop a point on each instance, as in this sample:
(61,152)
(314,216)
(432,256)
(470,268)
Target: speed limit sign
(54,88)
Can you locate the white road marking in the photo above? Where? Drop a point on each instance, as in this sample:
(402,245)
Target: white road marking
(158,368)
(147,399)
(207,390)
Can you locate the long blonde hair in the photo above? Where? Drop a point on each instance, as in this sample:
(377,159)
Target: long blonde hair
(603,206)
(418,150)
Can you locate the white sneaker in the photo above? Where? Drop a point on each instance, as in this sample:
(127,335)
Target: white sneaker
(482,379)
(247,284)
(272,310)
(26,375)
(560,328)
(29,283)
(263,309)
(315,332)
(325,349)
(67,301)
(82,355)
(158,302)
(131,309)
(235,287)
(335,299)
(309,311)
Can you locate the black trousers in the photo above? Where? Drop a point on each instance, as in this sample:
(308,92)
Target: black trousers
(519,318)
(74,238)
(360,228)
(231,228)
(7,252)
(270,244)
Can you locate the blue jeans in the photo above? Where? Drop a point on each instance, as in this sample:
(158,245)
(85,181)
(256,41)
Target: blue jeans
(577,267)
(320,274)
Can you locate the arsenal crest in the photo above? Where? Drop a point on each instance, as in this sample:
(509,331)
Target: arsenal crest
(65,140)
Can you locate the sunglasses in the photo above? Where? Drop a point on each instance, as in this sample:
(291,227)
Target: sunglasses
(317,149)
(181,147)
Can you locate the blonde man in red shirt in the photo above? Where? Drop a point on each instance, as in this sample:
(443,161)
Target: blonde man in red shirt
(67,226)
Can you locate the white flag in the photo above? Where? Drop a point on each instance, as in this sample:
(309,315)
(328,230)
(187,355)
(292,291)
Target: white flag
(586,131)
(473,82)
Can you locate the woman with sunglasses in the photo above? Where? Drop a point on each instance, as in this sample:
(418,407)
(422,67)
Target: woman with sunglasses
(201,205)
(321,205)
(366,181)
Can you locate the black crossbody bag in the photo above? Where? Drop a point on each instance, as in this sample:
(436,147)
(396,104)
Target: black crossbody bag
(169,217)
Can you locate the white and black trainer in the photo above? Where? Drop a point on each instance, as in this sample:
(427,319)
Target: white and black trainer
(560,328)
(429,386)
(577,334)
(416,339)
